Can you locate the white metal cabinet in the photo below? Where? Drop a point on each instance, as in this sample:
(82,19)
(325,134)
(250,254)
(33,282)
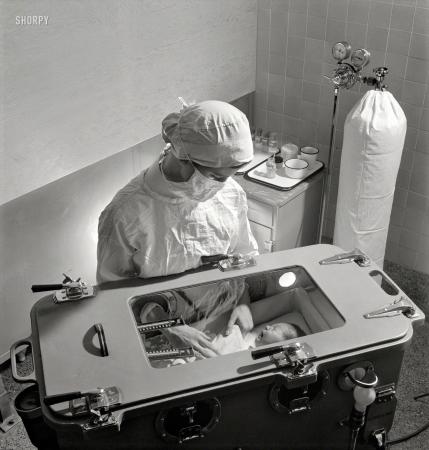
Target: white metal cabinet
(282,220)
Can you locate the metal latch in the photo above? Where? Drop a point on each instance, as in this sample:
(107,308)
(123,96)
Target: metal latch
(401,306)
(70,290)
(186,352)
(237,261)
(96,402)
(356,256)
(295,355)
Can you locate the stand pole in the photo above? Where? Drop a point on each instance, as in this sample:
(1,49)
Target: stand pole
(328,171)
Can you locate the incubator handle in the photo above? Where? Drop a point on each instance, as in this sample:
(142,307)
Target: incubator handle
(54,399)
(46,287)
(29,378)
(258,354)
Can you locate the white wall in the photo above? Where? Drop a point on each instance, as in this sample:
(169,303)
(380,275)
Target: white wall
(101,74)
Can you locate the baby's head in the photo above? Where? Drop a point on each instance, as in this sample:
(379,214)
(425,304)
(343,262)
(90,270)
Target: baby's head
(278,332)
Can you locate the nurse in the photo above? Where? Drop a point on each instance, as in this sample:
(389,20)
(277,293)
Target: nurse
(183,207)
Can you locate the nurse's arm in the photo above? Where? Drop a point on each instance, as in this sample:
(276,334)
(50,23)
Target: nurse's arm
(114,260)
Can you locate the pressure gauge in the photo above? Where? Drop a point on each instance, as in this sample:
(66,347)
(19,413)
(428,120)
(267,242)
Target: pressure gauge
(360,58)
(341,50)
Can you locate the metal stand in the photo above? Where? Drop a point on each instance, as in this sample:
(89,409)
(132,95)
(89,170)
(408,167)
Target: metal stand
(8,414)
(328,171)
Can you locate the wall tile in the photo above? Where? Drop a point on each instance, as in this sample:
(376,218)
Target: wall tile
(328,229)
(416,202)
(419,183)
(277,63)
(275,103)
(261,79)
(417,69)
(400,198)
(413,221)
(312,71)
(413,93)
(308,130)
(278,43)
(425,229)
(291,126)
(377,38)
(262,59)
(419,47)
(318,8)
(327,94)
(379,14)
(403,179)
(397,216)
(412,113)
(424,245)
(274,121)
(293,87)
(395,85)
(325,115)
(280,5)
(405,2)
(402,18)
(260,117)
(359,11)
(422,263)
(338,9)
(421,21)
(276,83)
(421,162)
(406,256)
(260,99)
(411,138)
(394,234)
(422,3)
(422,143)
(323,135)
(294,67)
(292,107)
(356,35)
(424,124)
(263,40)
(279,22)
(296,46)
(298,6)
(333,194)
(311,92)
(407,159)
(399,42)
(297,24)
(263,20)
(335,30)
(314,49)
(264,4)
(397,65)
(316,27)
(391,251)
(309,111)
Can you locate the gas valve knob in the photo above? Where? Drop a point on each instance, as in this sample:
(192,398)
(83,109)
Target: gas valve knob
(380,72)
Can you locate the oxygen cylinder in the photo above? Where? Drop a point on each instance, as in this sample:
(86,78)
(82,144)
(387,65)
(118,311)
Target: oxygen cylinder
(374,135)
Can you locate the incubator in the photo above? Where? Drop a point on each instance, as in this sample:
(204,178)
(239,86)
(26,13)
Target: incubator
(109,377)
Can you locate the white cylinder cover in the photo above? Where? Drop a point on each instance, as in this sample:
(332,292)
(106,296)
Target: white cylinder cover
(374,135)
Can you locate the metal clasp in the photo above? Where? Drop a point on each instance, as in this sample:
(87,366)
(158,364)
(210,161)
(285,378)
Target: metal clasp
(401,306)
(355,255)
(237,261)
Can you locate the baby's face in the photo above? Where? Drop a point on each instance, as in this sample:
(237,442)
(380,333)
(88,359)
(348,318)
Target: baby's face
(276,333)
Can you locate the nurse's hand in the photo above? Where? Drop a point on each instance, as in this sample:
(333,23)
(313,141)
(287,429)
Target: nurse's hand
(242,316)
(186,336)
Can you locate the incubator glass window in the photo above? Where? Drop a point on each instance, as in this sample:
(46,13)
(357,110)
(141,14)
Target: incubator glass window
(284,304)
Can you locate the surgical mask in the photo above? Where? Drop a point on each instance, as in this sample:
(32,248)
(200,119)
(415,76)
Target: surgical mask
(198,187)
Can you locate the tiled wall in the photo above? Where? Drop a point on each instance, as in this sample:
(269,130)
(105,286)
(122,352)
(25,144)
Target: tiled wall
(293,98)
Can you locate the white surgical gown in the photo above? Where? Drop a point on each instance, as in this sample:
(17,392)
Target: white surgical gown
(144,234)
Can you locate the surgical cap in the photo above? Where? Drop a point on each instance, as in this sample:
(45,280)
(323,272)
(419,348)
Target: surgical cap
(211,133)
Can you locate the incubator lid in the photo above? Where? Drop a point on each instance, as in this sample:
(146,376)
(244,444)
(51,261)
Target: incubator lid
(67,351)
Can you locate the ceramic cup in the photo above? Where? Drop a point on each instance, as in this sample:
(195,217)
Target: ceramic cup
(296,168)
(309,154)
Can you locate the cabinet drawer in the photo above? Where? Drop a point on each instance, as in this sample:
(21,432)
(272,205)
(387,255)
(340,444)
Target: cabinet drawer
(260,212)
